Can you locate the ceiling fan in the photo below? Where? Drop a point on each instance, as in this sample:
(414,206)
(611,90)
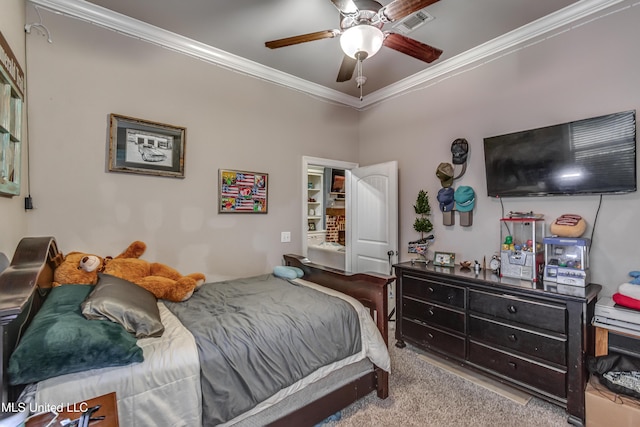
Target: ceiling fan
(361,34)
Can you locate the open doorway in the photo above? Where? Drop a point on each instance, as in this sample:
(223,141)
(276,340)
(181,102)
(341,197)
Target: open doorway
(367,239)
(324,211)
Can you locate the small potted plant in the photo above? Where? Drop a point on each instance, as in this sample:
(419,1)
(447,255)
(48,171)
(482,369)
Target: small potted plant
(422,225)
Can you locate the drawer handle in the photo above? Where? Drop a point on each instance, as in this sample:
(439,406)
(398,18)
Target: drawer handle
(430,311)
(513,338)
(513,365)
(512,309)
(430,335)
(430,289)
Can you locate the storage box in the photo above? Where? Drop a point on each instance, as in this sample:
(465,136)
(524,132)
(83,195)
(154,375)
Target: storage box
(604,408)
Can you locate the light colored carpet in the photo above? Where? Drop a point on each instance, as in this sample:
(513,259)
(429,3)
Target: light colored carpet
(483,381)
(425,395)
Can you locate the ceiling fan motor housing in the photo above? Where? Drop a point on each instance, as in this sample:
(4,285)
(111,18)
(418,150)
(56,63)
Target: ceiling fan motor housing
(367,14)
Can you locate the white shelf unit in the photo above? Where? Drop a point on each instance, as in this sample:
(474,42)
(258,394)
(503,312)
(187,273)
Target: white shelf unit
(10,136)
(315,194)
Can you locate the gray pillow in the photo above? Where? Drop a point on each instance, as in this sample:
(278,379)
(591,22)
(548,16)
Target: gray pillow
(126,303)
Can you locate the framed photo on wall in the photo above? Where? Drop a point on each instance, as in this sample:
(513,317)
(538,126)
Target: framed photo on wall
(144,147)
(242,192)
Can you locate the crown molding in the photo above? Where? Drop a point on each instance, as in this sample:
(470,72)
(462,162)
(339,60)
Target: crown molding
(97,15)
(511,40)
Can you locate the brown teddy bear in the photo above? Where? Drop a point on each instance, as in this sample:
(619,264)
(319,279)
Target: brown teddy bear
(159,279)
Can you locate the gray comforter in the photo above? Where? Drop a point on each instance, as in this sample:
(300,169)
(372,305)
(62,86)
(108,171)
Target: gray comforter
(258,335)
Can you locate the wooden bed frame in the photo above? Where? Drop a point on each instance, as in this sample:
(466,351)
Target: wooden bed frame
(24,286)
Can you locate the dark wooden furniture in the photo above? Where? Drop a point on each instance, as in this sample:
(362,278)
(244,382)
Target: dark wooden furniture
(528,335)
(108,408)
(24,286)
(617,341)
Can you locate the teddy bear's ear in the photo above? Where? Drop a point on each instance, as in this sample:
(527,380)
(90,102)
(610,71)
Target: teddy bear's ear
(135,250)
(67,271)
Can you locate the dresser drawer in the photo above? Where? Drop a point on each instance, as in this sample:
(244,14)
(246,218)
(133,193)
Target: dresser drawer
(541,346)
(428,337)
(542,315)
(433,291)
(432,314)
(536,375)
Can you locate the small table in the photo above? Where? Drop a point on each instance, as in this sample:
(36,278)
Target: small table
(602,339)
(108,408)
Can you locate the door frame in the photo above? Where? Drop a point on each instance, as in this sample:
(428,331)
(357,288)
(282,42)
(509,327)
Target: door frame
(316,161)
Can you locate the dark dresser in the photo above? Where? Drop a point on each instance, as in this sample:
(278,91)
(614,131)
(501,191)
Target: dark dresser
(532,336)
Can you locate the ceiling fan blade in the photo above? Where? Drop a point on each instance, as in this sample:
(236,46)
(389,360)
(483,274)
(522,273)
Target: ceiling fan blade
(347,68)
(345,6)
(412,47)
(303,38)
(398,9)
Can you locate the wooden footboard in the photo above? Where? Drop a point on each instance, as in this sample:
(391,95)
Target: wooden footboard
(371,290)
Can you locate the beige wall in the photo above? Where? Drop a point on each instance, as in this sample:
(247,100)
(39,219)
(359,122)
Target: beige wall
(232,122)
(238,122)
(587,71)
(13,222)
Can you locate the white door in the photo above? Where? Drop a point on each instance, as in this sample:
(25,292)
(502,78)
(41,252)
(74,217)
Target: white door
(372,218)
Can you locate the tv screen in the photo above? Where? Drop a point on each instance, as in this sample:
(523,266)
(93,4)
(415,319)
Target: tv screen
(337,181)
(591,156)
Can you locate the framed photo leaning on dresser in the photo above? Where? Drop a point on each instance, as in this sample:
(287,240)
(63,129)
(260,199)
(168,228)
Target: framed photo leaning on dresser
(444,259)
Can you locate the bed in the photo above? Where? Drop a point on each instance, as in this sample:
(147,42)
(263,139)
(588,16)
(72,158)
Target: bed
(174,364)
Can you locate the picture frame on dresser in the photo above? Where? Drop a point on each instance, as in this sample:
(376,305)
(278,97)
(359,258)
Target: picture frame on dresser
(444,259)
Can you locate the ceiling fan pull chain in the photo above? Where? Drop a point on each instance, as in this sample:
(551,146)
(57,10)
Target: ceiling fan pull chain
(359,79)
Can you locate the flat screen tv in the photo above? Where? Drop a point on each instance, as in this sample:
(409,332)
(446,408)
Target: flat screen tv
(591,156)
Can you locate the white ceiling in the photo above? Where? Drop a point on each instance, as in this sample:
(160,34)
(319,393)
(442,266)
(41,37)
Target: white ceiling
(232,33)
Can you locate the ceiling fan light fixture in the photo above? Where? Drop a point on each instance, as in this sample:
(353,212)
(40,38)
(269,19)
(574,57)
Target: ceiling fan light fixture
(361,39)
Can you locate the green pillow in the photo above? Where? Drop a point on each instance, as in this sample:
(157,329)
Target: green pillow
(60,340)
